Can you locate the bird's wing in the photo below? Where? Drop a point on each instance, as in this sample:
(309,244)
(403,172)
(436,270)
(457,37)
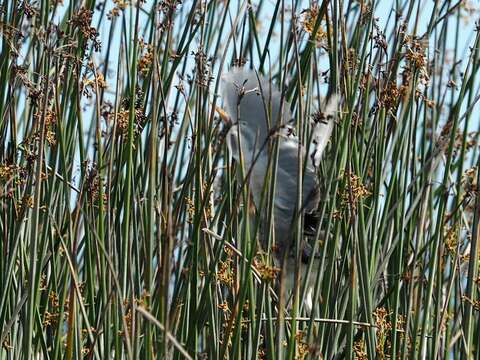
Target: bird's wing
(287,174)
(252,103)
(286,189)
(322,129)
(249,99)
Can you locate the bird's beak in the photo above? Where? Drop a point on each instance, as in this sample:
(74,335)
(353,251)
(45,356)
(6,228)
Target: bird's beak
(223,115)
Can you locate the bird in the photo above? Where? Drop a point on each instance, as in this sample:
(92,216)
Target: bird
(255,113)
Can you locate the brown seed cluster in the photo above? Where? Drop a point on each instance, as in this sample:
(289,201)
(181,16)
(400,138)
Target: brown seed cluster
(359,349)
(6,171)
(391,95)
(90,86)
(93,184)
(261,353)
(354,191)
(50,125)
(450,238)
(167,9)
(415,54)
(302,347)
(128,317)
(366,12)
(469,181)
(52,316)
(146,58)
(82,21)
(268,273)
(50,319)
(119,6)
(224,307)
(190,209)
(382,321)
(29,9)
(225,272)
(203,69)
(13,179)
(414,65)
(351,61)
(122,121)
(309,19)
(27,201)
(474,303)
(471,142)
(123,115)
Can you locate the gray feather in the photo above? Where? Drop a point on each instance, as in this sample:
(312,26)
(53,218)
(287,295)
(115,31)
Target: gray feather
(248,99)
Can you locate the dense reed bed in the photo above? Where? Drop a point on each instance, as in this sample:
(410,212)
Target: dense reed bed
(127,231)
